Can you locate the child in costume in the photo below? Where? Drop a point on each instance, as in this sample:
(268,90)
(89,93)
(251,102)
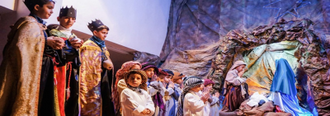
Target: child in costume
(156,88)
(191,103)
(171,93)
(120,84)
(135,100)
(178,84)
(26,88)
(211,108)
(215,104)
(67,64)
(151,71)
(95,62)
(161,93)
(178,80)
(234,90)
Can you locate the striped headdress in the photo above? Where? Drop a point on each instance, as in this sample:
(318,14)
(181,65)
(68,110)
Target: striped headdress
(189,83)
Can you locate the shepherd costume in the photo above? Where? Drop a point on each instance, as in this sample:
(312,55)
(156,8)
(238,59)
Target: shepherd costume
(156,90)
(120,84)
(172,97)
(235,92)
(135,99)
(177,87)
(215,105)
(190,103)
(207,108)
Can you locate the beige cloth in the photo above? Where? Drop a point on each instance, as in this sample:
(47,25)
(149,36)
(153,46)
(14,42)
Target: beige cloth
(121,85)
(21,68)
(255,111)
(277,114)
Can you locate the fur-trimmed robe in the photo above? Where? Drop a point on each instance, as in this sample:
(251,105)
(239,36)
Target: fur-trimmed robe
(21,68)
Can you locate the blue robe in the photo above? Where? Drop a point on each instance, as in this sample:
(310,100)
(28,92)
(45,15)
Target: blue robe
(283,90)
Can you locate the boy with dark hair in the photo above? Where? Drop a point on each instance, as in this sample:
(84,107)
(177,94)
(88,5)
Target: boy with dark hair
(95,61)
(191,102)
(66,74)
(25,88)
(171,93)
(135,100)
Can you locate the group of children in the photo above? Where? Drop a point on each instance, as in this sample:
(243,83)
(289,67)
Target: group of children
(71,75)
(67,76)
(144,89)
(48,70)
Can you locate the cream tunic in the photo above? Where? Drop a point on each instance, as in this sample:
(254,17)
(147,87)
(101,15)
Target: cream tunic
(193,105)
(134,102)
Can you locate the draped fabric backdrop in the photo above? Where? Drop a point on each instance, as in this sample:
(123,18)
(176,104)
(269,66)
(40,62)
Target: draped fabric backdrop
(197,30)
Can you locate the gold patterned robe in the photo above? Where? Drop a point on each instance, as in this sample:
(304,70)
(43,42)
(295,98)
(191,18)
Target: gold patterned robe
(90,78)
(21,68)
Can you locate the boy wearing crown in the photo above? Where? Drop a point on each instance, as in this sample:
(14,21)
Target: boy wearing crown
(67,64)
(95,61)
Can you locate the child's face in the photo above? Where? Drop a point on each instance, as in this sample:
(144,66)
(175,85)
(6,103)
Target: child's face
(240,68)
(202,86)
(134,80)
(66,22)
(209,86)
(167,79)
(150,72)
(137,67)
(102,34)
(217,94)
(179,81)
(197,88)
(161,77)
(45,11)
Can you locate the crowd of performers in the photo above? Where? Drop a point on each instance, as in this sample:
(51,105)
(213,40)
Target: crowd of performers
(49,71)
